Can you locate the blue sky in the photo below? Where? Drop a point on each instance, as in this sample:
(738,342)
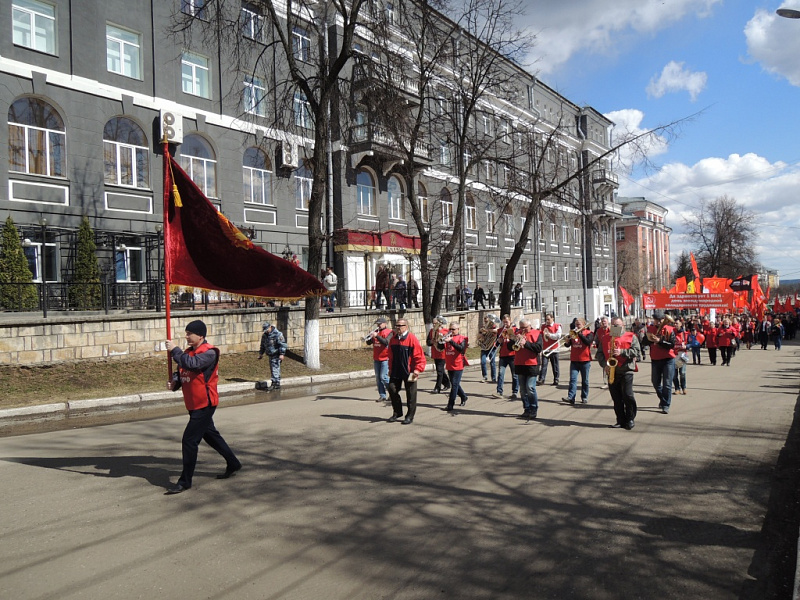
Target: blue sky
(646,63)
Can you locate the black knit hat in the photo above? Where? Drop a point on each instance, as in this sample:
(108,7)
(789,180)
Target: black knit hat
(197,328)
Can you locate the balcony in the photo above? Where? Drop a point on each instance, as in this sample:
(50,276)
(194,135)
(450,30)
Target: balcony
(606,209)
(376,141)
(605,178)
(367,74)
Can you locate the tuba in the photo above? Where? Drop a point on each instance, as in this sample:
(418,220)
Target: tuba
(487,336)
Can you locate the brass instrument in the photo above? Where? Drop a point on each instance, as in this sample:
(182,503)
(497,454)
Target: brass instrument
(441,340)
(519,342)
(667,320)
(371,334)
(611,360)
(487,336)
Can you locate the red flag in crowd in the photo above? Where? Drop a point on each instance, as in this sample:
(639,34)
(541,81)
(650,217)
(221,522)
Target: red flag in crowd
(680,285)
(716,285)
(697,287)
(205,250)
(627,299)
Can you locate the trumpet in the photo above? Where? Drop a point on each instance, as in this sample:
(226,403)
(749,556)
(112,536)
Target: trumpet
(667,320)
(441,340)
(519,342)
(371,334)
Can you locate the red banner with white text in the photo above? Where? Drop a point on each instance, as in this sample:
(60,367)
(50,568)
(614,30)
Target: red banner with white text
(721,301)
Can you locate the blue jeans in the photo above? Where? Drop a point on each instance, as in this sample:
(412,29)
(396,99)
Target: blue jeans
(330,302)
(488,356)
(381,376)
(661,374)
(455,388)
(507,361)
(527,385)
(575,368)
(696,355)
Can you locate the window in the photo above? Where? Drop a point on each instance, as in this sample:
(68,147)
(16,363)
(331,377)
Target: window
(36,138)
(34,25)
(553,273)
(490,224)
(605,236)
(252,24)
(508,217)
(490,272)
(301,44)
(126,154)
(487,124)
(196,8)
(552,232)
(597,273)
(620,235)
(470,265)
(530,97)
(365,189)
(422,199)
(525,270)
(302,111)
(567,305)
(199,161)
(195,75)
(129,264)
(470,212)
(566,273)
(123,52)
(302,189)
(390,13)
(605,274)
(257,177)
(444,154)
(255,96)
(577,273)
(397,200)
(576,235)
(39,264)
(564,234)
(446,201)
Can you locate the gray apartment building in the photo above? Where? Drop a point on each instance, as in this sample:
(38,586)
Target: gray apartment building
(90,88)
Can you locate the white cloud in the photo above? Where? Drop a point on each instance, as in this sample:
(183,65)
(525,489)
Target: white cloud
(768,190)
(628,124)
(564,28)
(675,78)
(774,42)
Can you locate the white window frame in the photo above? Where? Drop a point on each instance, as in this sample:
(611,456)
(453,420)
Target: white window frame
(597,273)
(490,222)
(301,43)
(126,252)
(135,154)
(397,202)
(566,273)
(39,262)
(424,208)
(564,234)
(198,170)
(28,129)
(444,154)
(605,274)
(128,51)
(367,208)
(255,96)
(302,111)
(576,235)
(262,196)
(390,13)
(490,272)
(471,272)
(577,273)
(34,25)
(302,192)
(252,24)
(553,273)
(195,75)
(195,8)
(552,232)
(509,221)
(447,212)
(525,271)
(470,214)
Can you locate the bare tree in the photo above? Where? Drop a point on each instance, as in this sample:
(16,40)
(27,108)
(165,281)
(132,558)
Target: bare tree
(724,233)
(304,49)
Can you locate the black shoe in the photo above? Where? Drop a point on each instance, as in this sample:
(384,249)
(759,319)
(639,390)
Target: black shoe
(445,388)
(525,415)
(448,409)
(176,489)
(630,425)
(407,421)
(229,472)
(532,414)
(555,382)
(568,401)
(436,391)
(394,418)
(540,382)
(464,402)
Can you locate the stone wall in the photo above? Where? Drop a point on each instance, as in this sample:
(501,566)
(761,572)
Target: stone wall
(71,337)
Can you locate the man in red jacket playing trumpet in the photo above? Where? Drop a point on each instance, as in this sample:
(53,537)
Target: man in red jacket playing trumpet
(406,362)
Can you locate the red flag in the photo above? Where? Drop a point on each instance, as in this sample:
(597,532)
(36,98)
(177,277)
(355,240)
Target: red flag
(205,250)
(627,299)
(694,265)
(680,285)
(716,285)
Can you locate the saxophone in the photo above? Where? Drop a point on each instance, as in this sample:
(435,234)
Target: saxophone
(612,361)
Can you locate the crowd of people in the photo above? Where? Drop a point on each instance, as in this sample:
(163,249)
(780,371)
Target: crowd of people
(529,352)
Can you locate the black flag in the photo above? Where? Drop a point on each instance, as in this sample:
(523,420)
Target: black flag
(741,284)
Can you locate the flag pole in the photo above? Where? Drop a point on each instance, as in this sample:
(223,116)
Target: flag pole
(167,260)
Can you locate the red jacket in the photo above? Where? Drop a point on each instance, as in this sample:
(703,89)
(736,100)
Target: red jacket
(436,354)
(504,349)
(711,336)
(725,337)
(454,353)
(657,350)
(526,356)
(552,329)
(405,356)
(623,342)
(198,392)
(580,351)
(379,351)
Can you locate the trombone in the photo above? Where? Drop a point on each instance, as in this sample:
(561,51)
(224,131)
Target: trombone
(560,346)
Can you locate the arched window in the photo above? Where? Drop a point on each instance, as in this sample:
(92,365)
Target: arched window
(125,152)
(446,202)
(397,199)
(198,159)
(365,189)
(422,199)
(471,212)
(37,139)
(303,180)
(257,177)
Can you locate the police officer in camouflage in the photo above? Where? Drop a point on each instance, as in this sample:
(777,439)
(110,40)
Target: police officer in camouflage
(273,344)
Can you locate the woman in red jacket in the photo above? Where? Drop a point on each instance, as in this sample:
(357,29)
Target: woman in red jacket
(710,331)
(726,338)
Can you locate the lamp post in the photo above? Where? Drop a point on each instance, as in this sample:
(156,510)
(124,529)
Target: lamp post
(43,265)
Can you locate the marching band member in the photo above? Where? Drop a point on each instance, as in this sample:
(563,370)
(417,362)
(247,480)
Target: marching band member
(487,356)
(661,338)
(580,361)
(379,340)
(439,329)
(627,351)
(527,347)
(406,362)
(507,332)
(600,334)
(551,333)
(454,349)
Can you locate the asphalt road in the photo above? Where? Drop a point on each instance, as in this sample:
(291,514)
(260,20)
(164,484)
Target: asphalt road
(336,503)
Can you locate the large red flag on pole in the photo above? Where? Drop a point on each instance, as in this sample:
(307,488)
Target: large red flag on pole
(627,299)
(698,288)
(205,250)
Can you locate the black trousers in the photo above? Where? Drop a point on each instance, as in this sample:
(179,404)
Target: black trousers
(395,385)
(622,395)
(442,380)
(726,353)
(201,427)
(712,355)
(552,359)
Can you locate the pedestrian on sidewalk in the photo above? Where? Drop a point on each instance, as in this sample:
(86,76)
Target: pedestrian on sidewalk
(197,376)
(273,344)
